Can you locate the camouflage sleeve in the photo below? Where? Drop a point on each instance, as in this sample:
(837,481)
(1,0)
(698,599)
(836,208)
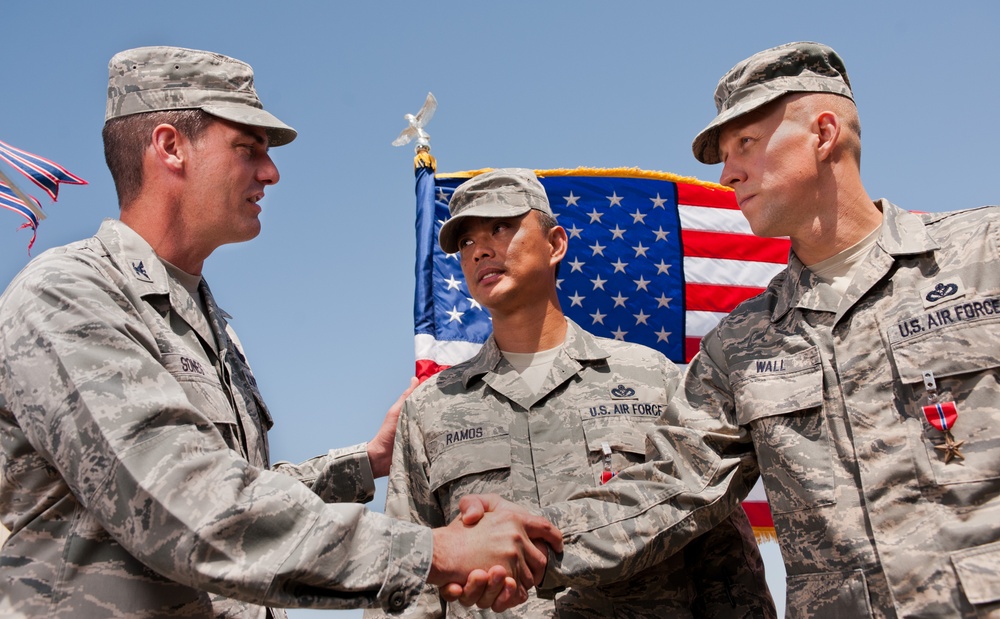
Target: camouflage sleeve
(727,572)
(342,475)
(700,464)
(86,384)
(409,498)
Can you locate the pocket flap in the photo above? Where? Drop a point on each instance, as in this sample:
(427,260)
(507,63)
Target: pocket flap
(778,385)
(956,350)
(623,437)
(977,569)
(468,458)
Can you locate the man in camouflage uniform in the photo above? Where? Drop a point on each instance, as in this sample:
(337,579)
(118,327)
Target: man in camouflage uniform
(134,448)
(546,409)
(863,384)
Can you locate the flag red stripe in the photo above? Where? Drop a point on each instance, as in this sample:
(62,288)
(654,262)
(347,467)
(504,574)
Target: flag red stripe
(691,346)
(698,244)
(758,513)
(427,368)
(715,298)
(699,195)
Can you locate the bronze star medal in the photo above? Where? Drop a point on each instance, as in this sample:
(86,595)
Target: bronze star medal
(950,448)
(942,416)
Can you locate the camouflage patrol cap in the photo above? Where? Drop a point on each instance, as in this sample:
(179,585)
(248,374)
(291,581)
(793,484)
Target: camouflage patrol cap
(504,192)
(154,79)
(766,76)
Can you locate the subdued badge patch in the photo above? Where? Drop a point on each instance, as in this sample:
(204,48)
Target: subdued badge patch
(942,291)
(621,392)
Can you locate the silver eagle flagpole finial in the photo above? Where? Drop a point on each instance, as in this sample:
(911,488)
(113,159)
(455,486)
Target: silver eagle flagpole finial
(415,130)
(417,123)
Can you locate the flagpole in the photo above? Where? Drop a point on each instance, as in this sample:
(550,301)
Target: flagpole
(28,202)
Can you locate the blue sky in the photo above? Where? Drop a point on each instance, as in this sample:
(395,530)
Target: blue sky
(322,300)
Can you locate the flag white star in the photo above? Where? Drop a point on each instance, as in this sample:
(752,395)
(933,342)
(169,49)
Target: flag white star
(598,283)
(453,284)
(618,233)
(442,197)
(638,218)
(455,315)
(640,250)
(619,334)
(620,300)
(640,318)
(615,199)
(576,265)
(662,335)
(663,268)
(658,201)
(473,304)
(598,317)
(559,283)
(619,265)
(661,234)
(571,199)
(641,283)
(576,299)
(663,301)
(595,216)
(574,232)
(597,248)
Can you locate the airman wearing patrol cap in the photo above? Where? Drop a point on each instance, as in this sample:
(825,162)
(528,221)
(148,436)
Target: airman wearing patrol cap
(137,480)
(517,420)
(863,385)
(156,79)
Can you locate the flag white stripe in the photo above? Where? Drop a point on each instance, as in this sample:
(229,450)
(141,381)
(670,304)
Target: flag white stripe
(729,272)
(709,219)
(697,324)
(444,352)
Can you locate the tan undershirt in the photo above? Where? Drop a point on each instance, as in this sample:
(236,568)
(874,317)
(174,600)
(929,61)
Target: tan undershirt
(837,271)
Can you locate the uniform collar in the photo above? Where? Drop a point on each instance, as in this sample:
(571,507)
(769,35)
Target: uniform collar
(579,346)
(137,260)
(901,234)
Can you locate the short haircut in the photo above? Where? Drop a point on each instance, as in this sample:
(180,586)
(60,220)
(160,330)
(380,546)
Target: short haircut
(126,139)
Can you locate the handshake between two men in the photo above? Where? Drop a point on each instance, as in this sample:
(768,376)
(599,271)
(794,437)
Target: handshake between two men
(492,532)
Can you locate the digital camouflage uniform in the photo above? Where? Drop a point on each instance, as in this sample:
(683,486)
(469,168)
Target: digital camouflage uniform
(823,396)
(478,428)
(135,479)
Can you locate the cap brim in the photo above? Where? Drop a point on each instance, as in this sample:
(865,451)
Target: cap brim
(706,144)
(448,237)
(278,133)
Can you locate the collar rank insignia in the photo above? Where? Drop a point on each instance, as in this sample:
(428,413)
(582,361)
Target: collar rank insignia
(140,271)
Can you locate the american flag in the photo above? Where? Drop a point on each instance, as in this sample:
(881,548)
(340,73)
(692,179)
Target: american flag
(653,258)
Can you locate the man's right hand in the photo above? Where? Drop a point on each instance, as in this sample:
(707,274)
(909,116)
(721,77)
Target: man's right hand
(502,537)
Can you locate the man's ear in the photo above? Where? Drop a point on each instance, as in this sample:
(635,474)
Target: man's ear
(827,127)
(169,146)
(559,242)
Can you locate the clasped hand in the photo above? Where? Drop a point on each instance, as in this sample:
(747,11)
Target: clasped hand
(492,553)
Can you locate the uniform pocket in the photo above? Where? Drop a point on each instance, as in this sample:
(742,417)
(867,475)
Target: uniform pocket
(977,571)
(965,361)
(626,439)
(828,594)
(781,400)
(469,459)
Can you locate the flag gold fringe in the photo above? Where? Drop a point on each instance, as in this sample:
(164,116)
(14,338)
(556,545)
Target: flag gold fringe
(765,534)
(424,159)
(627,172)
